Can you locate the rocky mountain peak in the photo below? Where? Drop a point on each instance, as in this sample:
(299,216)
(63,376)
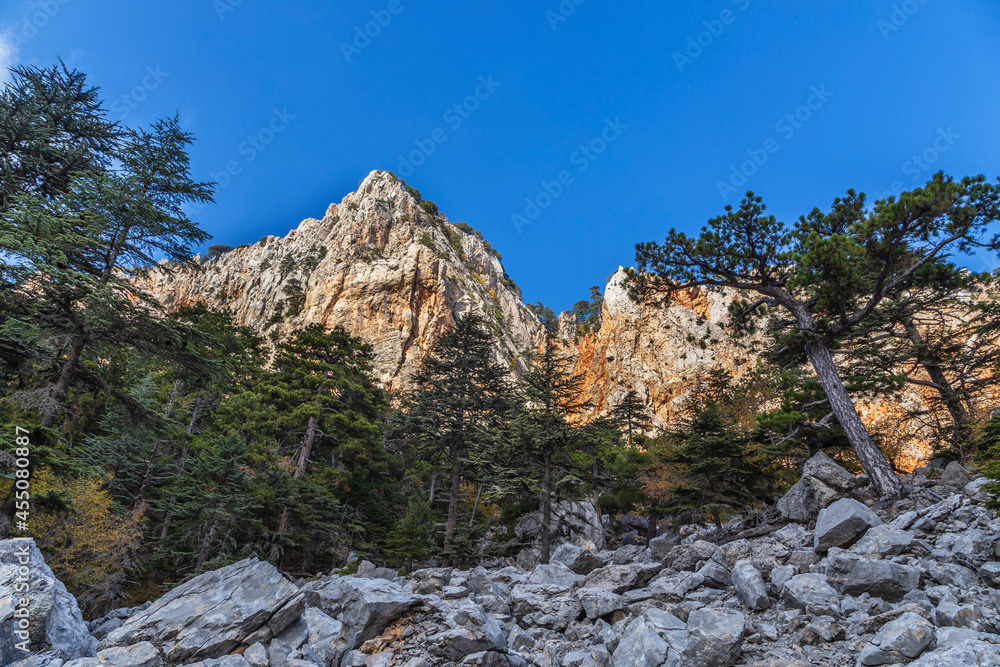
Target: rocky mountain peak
(384,264)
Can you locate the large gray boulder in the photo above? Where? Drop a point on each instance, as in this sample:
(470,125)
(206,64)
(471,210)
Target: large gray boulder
(955,476)
(599,602)
(52,617)
(842,523)
(365,606)
(471,631)
(812,593)
(574,522)
(715,638)
(143,654)
(805,499)
(828,471)
(622,578)
(640,646)
(898,641)
(971,652)
(749,586)
(579,560)
(852,575)
(884,541)
(548,607)
(554,574)
(209,615)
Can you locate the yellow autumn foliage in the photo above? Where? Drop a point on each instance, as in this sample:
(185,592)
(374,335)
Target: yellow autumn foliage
(91,548)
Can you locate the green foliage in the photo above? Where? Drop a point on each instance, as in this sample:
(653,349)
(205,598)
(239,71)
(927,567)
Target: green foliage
(219,250)
(413,192)
(586,315)
(353,206)
(987,448)
(429,207)
(427,240)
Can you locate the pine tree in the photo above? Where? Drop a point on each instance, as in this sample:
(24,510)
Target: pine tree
(462,395)
(828,274)
(536,452)
(321,408)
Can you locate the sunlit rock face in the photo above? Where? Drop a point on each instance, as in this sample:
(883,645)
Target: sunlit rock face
(376,264)
(394,272)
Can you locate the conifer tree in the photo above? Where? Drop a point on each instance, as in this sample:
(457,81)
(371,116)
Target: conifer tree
(462,395)
(829,274)
(536,452)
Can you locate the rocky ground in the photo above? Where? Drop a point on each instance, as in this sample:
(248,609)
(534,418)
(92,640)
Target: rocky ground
(836,581)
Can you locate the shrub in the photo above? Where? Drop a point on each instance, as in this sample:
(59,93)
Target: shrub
(426,239)
(429,207)
(88,544)
(353,206)
(413,192)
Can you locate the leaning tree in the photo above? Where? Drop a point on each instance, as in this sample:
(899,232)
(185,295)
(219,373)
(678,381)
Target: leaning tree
(830,273)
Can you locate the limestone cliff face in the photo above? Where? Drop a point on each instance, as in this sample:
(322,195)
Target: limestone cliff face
(393,271)
(387,269)
(657,352)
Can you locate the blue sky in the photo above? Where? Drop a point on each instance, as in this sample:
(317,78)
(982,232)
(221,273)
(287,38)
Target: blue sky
(582,126)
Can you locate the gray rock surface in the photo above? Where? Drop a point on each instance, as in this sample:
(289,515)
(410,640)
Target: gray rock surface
(715,638)
(842,523)
(210,615)
(54,622)
(749,586)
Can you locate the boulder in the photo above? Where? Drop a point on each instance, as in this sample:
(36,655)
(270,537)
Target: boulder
(621,578)
(716,575)
(640,646)
(715,638)
(842,523)
(365,606)
(852,575)
(209,615)
(55,624)
(472,631)
(143,654)
(805,499)
(574,522)
(596,656)
(749,586)
(884,541)
(990,574)
(828,471)
(548,607)
(962,654)
(577,559)
(898,641)
(811,593)
(955,476)
(554,574)
(599,602)
(323,634)
(661,546)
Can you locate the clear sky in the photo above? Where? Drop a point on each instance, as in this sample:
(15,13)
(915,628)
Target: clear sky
(582,126)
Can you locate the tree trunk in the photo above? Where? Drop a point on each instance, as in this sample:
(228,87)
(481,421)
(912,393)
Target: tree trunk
(454,494)
(181,464)
(949,397)
(300,469)
(546,510)
(651,527)
(148,475)
(206,543)
(475,508)
(434,479)
(872,460)
(66,375)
